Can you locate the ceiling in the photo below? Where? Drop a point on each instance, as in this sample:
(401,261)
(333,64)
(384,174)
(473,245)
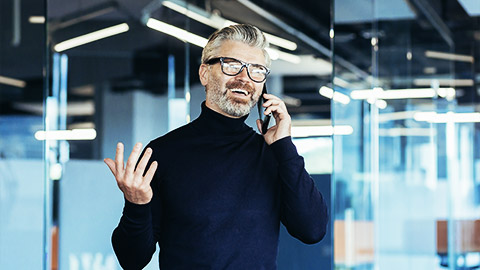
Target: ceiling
(138,58)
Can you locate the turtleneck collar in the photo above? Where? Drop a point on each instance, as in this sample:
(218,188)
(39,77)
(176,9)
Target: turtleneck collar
(213,122)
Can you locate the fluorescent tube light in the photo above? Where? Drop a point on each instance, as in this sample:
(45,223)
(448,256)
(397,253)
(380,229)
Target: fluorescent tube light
(218,22)
(402,93)
(75,134)
(272,53)
(398,132)
(309,131)
(177,32)
(281,42)
(385,117)
(433,117)
(329,93)
(36,19)
(443,82)
(12,82)
(381,104)
(194,15)
(449,56)
(277,54)
(340,82)
(94,36)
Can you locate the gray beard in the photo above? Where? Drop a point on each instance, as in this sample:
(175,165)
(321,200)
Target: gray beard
(227,105)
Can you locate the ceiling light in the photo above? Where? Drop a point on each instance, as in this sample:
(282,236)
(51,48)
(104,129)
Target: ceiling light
(12,82)
(381,104)
(433,117)
(281,42)
(443,82)
(272,53)
(36,19)
(340,82)
(218,22)
(177,32)
(335,95)
(310,131)
(212,21)
(94,36)
(402,93)
(449,56)
(386,117)
(75,134)
(398,132)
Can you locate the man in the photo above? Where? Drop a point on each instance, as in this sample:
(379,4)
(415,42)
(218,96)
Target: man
(216,191)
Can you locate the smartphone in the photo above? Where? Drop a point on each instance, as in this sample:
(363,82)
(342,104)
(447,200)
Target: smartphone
(266,120)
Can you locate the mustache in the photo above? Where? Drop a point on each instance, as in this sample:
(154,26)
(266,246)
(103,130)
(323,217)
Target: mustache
(240,85)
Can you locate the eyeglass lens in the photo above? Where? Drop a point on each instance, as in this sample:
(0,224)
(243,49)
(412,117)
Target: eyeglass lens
(233,67)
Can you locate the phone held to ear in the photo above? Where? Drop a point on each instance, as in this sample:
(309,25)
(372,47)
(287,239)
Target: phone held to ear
(266,120)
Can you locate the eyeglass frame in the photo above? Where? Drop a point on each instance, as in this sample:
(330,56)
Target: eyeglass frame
(244,64)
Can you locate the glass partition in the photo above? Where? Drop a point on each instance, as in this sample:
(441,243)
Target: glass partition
(404,184)
(22,189)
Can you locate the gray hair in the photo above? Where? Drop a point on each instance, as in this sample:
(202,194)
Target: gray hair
(245,33)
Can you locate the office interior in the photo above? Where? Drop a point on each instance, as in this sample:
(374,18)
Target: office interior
(383,95)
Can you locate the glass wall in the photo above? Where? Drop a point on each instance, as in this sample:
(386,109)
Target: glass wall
(76,79)
(405,181)
(22,189)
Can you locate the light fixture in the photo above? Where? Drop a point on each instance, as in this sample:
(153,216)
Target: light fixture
(218,22)
(402,93)
(277,54)
(340,82)
(399,132)
(177,32)
(12,82)
(74,134)
(449,56)
(433,117)
(94,36)
(381,104)
(443,82)
(310,131)
(335,95)
(36,19)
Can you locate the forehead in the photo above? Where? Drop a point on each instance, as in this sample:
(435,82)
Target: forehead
(241,51)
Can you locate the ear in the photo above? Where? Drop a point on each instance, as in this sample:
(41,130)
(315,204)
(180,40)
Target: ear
(203,73)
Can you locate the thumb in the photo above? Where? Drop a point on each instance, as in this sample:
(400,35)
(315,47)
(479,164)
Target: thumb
(111,164)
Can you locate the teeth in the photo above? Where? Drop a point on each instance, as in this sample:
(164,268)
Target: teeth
(240,91)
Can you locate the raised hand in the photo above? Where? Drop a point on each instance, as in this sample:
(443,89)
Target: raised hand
(135,187)
(283,120)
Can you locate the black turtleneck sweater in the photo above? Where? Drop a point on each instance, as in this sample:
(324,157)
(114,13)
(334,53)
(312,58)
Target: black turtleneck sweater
(220,193)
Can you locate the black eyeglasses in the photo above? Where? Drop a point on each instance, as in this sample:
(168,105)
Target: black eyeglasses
(232,67)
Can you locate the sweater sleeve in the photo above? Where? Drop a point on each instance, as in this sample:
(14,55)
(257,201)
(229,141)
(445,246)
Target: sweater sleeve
(303,209)
(134,239)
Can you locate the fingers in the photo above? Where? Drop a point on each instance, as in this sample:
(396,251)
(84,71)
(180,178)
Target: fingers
(111,164)
(277,110)
(119,159)
(143,162)
(273,101)
(132,159)
(151,171)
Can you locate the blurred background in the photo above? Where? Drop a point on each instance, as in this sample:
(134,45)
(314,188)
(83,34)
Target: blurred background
(383,96)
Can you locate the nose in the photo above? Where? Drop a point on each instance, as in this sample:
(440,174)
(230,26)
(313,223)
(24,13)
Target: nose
(243,75)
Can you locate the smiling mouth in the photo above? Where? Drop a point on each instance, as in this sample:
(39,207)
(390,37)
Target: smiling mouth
(240,91)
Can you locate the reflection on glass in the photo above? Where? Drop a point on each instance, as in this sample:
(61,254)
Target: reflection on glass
(407,198)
